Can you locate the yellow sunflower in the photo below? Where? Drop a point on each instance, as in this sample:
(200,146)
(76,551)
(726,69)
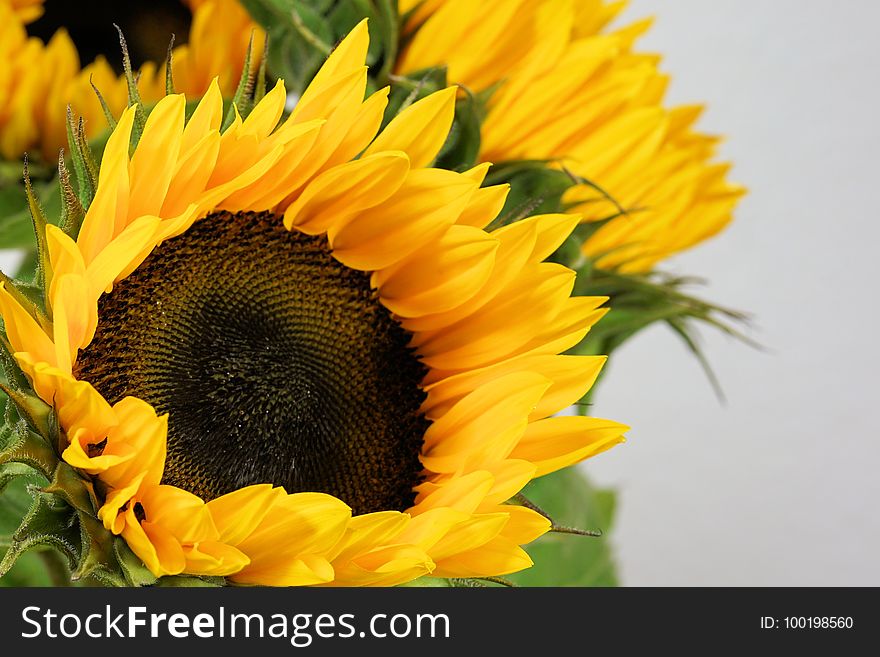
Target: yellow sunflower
(26,10)
(289,353)
(564,92)
(38,81)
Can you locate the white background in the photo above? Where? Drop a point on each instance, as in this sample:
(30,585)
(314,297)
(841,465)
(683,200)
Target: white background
(780,486)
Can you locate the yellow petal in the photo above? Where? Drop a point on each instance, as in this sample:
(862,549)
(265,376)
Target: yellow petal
(420,211)
(152,164)
(439,276)
(71,307)
(109,208)
(341,192)
(292,540)
(179,512)
(213,558)
(466,536)
(154,545)
(485,425)
(23,331)
(306,570)
(462,495)
(76,454)
(350,54)
(558,442)
(499,328)
(420,130)
(239,513)
(139,431)
(498,556)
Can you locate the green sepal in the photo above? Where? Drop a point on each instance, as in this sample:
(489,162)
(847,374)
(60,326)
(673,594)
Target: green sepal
(32,410)
(134,96)
(72,211)
(10,472)
(136,573)
(84,165)
(43,278)
(74,489)
(388,21)
(9,368)
(242,101)
(260,83)
(108,113)
(640,300)
(49,523)
(96,557)
(169,75)
(562,559)
(19,444)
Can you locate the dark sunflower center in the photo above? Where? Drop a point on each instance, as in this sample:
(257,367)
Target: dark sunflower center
(275,362)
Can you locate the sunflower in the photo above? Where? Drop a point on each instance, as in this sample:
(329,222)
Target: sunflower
(26,10)
(38,81)
(289,353)
(562,90)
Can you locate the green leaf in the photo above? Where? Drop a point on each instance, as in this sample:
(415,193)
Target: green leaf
(136,573)
(28,570)
(302,33)
(300,37)
(564,559)
(16,224)
(15,221)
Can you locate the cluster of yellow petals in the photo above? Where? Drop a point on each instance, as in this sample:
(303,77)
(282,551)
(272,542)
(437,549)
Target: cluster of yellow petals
(564,91)
(39,80)
(495,373)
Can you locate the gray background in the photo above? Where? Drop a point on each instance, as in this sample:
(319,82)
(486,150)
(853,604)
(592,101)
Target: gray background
(779,486)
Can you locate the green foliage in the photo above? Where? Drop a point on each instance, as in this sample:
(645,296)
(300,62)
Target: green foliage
(534,189)
(563,559)
(303,32)
(640,300)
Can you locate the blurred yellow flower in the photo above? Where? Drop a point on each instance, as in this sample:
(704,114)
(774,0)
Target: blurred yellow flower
(567,91)
(39,80)
(27,10)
